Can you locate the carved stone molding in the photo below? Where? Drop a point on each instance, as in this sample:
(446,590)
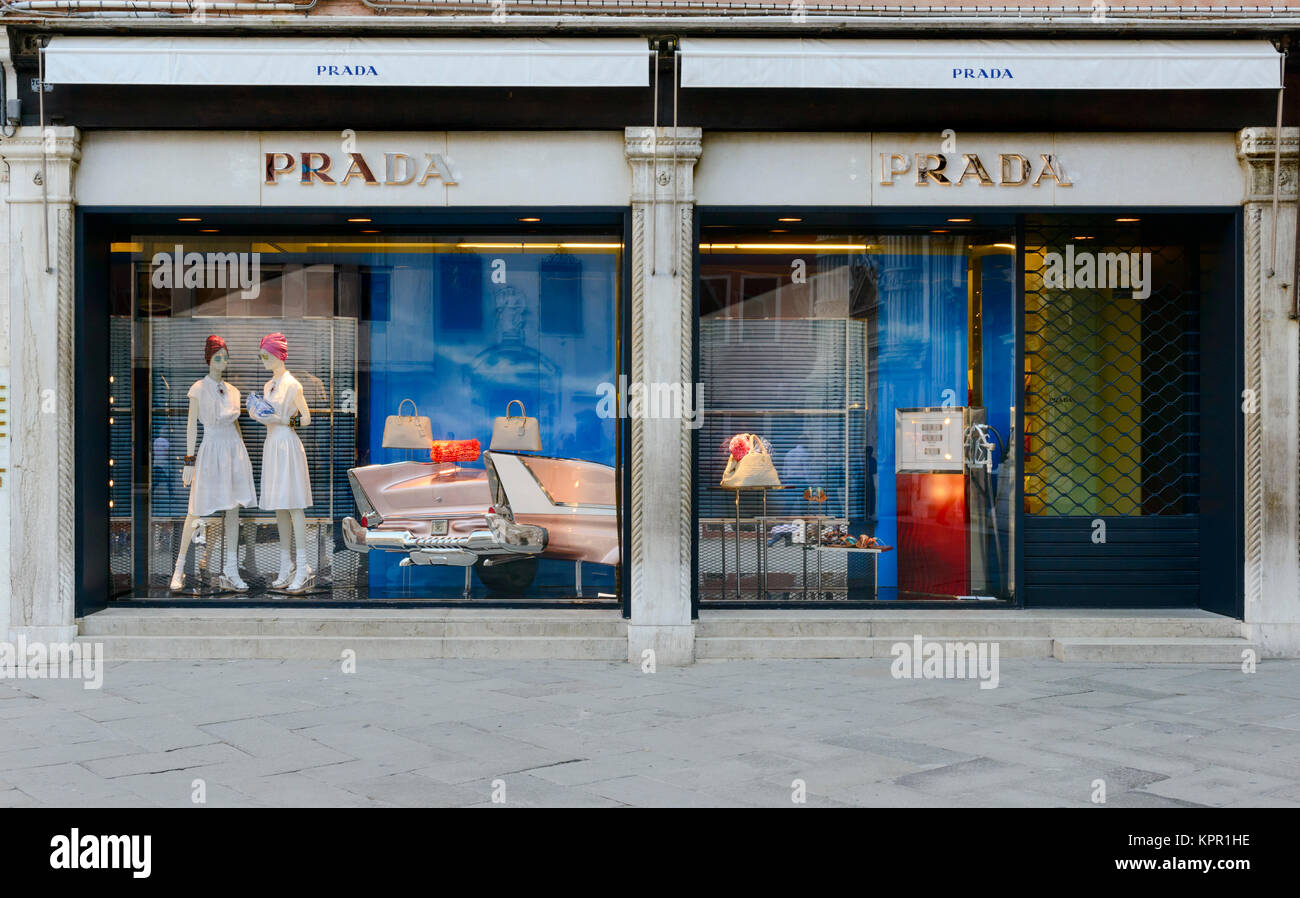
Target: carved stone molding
(1271,407)
(1256,148)
(662,255)
(42,586)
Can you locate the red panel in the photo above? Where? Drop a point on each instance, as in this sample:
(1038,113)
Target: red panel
(933,545)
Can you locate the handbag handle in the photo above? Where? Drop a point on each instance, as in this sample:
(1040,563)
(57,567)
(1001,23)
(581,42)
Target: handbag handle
(413,405)
(522,412)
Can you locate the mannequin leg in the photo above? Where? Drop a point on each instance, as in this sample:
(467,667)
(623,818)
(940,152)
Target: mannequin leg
(285,527)
(187,535)
(230,578)
(302,579)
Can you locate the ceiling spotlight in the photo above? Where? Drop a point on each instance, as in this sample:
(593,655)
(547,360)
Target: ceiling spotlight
(189,219)
(359,220)
(528,219)
(959,219)
(1127,220)
(789,219)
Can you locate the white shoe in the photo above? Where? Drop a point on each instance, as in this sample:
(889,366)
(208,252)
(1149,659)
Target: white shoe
(287,571)
(229,581)
(178,581)
(302,582)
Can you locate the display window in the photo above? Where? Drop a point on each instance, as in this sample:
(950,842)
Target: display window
(859,437)
(364,416)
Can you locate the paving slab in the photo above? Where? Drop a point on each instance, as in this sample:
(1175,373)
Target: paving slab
(441,733)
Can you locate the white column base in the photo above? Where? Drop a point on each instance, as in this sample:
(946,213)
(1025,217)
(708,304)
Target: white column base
(673,645)
(60,634)
(1275,640)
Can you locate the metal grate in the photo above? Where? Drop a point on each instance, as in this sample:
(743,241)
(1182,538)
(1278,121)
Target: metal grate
(1112,362)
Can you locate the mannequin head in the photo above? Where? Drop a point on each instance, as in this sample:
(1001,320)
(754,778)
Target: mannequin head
(273,351)
(217,356)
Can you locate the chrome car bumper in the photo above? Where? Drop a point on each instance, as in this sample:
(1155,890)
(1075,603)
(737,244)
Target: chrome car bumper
(498,543)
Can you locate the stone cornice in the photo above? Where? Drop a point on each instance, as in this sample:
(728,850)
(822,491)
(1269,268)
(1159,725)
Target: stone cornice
(642,146)
(29,145)
(1255,149)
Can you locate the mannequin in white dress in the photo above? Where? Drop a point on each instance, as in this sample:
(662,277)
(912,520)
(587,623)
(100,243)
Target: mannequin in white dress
(286,483)
(219,476)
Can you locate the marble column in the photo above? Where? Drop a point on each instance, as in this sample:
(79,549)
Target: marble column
(1272,381)
(39,481)
(662,250)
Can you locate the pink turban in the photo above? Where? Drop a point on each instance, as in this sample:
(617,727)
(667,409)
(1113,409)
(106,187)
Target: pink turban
(276,344)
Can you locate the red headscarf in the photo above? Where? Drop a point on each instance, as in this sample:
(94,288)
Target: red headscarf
(210,348)
(276,344)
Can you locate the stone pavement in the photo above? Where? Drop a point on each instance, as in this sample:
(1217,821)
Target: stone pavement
(267,733)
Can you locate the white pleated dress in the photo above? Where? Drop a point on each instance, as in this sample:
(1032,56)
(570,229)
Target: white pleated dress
(223,474)
(286,483)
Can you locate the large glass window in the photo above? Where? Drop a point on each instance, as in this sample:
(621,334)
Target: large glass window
(262,444)
(877,373)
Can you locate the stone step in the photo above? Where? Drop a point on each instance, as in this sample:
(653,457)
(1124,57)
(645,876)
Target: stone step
(720,648)
(147,648)
(1152,650)
(963,625)
(358,624)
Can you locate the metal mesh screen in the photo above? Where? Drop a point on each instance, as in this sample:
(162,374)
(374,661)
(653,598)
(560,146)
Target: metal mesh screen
(1112,361)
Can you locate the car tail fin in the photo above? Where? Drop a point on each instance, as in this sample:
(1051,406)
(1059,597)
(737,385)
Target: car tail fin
(500,501)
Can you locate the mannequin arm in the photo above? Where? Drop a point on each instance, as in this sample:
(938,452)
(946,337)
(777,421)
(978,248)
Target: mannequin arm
(300,403)
(192,428)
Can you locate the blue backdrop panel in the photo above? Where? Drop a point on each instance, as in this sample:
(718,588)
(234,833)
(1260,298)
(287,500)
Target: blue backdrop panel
(921,361)
(462,345)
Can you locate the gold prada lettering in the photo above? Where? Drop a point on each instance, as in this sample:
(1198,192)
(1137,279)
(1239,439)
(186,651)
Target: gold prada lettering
(359,169)
(1050,163)
(976,168)
(1020,179)
(277,164)
(888,172)
(312,169)
(399,169)
(929,167)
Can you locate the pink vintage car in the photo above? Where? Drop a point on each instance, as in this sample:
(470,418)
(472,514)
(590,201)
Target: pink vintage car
(500,519)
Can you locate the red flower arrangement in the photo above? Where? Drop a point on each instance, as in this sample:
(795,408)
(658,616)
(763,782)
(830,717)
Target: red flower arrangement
(454,450)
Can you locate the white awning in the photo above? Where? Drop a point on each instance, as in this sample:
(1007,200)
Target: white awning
(982,64)
(379,62)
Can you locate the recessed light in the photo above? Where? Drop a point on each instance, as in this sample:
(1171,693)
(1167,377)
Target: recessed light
(1127,220)
(939,231)
(789,219)
(780,231)
(370,231)
(1081,238)
(208,231)
(359,220)
(959,219)
(528,219)
(189,219)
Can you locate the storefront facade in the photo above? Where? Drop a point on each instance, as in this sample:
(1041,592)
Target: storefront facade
(1013,369)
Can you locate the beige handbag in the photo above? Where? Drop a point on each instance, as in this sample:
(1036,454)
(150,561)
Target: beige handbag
(749,464)
(407,431)
(519,434)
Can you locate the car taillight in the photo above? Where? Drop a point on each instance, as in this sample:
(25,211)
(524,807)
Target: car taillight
(491,510)
(364,522)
